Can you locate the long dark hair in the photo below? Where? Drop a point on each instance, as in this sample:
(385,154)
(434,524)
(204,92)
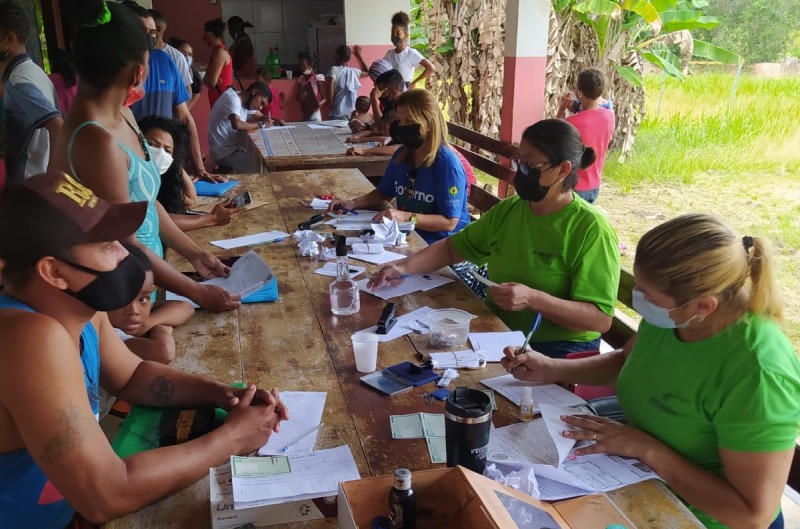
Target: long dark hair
(560,141)
(60,64)
(102,48)
(172,189)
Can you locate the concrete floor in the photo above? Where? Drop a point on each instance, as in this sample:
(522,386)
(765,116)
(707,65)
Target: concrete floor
(791,509)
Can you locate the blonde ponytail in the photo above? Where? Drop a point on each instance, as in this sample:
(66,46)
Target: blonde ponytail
(765,294)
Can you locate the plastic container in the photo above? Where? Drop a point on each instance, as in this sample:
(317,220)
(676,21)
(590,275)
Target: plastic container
(449,328)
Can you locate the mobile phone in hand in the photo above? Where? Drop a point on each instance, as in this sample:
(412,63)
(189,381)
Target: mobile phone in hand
(240,200)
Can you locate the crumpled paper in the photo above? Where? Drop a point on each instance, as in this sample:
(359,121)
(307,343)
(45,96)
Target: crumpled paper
(328,253)
(518,477)
(384,232)
(308,242)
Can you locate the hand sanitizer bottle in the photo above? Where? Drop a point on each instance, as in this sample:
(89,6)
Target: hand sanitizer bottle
(526,405)
(345,296)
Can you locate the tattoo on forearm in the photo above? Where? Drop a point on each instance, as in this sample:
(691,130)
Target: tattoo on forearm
(162,390)
(68,436)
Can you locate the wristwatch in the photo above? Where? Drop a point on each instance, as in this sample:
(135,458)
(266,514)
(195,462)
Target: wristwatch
(414,218)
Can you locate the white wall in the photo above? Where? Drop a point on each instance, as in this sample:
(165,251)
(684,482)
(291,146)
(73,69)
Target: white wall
(368,22)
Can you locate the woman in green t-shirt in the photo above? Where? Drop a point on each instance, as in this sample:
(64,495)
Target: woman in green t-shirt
(710,383)
(550,252)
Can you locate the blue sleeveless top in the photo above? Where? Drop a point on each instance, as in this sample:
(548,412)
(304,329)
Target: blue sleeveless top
(144,181)
(28,500)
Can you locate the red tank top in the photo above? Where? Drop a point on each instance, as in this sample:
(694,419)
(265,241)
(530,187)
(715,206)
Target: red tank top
(224,82)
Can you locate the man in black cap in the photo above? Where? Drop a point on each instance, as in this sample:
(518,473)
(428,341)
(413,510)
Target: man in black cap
(61,265)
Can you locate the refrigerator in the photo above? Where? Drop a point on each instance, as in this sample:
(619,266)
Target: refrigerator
(322,43)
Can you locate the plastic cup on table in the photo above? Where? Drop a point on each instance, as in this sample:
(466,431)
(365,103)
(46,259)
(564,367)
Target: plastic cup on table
(289,74)
(365,349)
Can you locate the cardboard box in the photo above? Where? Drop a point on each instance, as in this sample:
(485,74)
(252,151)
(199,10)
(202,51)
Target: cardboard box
(224,516)
(457,498)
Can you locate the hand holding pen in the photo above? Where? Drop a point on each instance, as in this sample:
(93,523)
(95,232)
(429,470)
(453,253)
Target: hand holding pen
(388,276)
(339,204)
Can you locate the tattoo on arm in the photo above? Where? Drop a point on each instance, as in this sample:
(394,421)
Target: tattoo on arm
(162,390)
(68,436)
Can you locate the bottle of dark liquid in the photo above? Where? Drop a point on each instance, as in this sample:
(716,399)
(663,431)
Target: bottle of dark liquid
(402,502)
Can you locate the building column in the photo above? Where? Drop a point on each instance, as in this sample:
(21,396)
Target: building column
(527,25)
(368,23)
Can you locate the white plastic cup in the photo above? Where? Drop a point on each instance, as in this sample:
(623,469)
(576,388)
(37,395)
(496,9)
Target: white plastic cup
(289,74)
(365,349)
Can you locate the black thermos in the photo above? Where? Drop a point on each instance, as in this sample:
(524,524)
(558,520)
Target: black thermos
(402,502)
(468,419)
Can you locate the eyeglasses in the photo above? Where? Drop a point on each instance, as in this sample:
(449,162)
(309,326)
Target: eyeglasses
(412,177)
(525,167)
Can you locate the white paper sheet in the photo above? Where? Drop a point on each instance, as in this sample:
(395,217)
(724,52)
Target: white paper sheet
(250,240)
(370,248)
(318,203)
(511,388)
(410,285)
(551,415)
(248,274)
(360,215)
(379,259)
(493,343)
(467,359)
(306,409)
(329,269)
(318,473)
(525,443)
(405,324)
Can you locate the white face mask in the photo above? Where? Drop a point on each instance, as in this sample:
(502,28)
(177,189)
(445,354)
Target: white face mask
(307,72)
(655,315)
(188,61)
(162,158)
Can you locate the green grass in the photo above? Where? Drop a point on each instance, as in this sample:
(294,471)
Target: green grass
(741,164)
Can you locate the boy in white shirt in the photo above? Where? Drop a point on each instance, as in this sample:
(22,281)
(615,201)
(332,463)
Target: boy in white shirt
(342,83)
(229,116)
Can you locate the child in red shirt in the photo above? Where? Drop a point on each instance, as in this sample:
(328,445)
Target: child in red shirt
(596,125)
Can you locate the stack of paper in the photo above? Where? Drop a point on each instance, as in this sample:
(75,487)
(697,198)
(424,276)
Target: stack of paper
(511,388)
(539,445)
(329,269)
(491,344)
(422,283)
(248,274)
(251,240)
(306,409)
(429,426)
(467,359)
(312,475)
(318,203)
(379,258)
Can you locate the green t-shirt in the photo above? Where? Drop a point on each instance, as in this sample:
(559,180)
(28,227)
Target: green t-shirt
(738,390)
(572,254)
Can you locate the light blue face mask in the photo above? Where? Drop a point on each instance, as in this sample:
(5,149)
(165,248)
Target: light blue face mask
(655,315)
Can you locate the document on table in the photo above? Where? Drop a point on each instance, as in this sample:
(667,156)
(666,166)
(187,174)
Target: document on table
(318,203)
(417,425)
(314,474)
(551,415)
(437,449)
(467,359)
(248,274)
(413,321)
(511,388)
(360,215)
(306,409)
(410,285)
(250,240)
(380,258)
(523,443)
(491,344)
(329,269)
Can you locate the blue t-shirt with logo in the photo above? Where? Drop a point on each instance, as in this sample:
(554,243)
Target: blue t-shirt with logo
(163,89)
(440,189)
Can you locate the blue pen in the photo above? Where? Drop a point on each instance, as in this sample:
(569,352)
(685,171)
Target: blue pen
(347,210)
(536,322)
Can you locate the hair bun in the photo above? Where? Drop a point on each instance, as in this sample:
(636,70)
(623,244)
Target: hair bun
(401,18)
(588,157)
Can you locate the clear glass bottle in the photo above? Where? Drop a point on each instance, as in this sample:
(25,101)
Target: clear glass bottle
(345,296)
(402,502)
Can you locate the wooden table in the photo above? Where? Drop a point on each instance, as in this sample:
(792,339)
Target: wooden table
(296,344)
(306,148)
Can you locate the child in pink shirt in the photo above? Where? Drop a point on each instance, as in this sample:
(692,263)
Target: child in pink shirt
(596,125)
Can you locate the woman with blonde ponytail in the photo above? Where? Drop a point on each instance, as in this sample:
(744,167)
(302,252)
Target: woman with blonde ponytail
(710,384)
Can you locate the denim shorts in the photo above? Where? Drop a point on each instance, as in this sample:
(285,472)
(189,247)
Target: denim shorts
(590,195)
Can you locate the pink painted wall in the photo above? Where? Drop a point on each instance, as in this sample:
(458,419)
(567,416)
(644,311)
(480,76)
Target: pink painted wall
(185,19)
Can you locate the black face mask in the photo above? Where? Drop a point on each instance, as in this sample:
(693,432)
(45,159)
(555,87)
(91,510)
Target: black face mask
(397,40)
(407,135)
(111,290)
(528,186)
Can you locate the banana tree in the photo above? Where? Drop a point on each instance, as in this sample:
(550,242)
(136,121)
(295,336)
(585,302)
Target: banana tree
(618,36)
